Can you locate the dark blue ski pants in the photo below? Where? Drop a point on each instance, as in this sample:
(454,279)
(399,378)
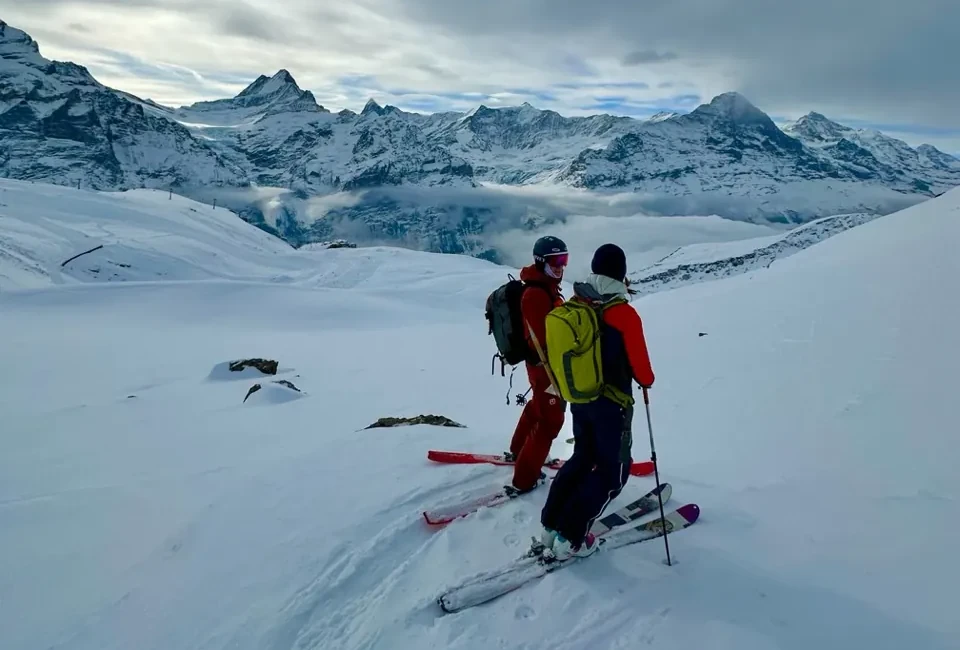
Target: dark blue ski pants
(596,472)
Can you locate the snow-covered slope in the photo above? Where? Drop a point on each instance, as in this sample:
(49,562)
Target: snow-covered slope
(145,505)
(710,261)
(64,236)
(422,181)
(135,235)
(155,235)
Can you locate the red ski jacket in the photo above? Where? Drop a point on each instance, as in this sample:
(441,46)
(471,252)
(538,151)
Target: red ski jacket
(626,321)
(536,303)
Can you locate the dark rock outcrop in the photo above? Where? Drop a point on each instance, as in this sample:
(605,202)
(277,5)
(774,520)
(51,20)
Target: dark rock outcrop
(433,420)
(282,382)
(266,366)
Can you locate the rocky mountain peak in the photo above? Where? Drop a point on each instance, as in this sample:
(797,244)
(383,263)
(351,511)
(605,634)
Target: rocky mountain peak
(371,107)
(661,116)
(282,83)
(816,127)
(25,70)
(11,38)
(732,107)
(938,158)
(266,95)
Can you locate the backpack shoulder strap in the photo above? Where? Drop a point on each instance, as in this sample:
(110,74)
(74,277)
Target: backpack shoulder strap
(544,286)
(613,303)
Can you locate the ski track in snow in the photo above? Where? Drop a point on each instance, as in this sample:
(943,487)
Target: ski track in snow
(144,505)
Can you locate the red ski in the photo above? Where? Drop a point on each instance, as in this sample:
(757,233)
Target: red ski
(639,468)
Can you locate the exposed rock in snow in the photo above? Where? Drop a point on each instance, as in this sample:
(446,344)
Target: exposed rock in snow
(275,392)
(432,420)
(243,369)
(266,366)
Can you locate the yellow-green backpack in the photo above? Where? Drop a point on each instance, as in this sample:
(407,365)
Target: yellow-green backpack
(573,352)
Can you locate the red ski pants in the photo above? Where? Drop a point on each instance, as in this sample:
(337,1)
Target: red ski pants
(539,425)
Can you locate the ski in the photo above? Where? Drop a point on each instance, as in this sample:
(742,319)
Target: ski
(626,514)
(467,458)
(493,584)
(639,468)
(602,527)
(633,510)
(446,514)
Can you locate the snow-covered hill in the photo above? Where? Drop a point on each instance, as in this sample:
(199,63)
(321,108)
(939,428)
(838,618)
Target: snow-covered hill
(144,504)
(62,235)
(711,261)
(389,176)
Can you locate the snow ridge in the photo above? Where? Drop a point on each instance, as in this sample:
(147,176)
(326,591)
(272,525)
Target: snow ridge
(705,262)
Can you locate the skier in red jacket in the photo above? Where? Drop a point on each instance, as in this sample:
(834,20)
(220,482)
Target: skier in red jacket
(602,429)
(543,416)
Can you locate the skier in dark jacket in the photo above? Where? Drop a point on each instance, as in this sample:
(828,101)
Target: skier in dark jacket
(598,469)
(543,415)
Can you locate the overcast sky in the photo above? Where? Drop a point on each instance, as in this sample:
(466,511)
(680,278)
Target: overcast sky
(888,64)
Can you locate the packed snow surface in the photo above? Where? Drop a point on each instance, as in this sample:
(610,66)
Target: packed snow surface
(144,505)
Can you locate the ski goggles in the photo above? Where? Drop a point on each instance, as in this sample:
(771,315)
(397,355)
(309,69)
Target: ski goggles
(557,259)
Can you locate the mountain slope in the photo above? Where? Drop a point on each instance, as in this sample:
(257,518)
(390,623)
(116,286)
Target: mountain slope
(925,168)
(57,123)
(138,235)
(814,425)
(731,151)
(517,144)
(711,261)
(287,140)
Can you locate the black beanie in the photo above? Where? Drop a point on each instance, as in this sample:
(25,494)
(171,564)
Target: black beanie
(610,260)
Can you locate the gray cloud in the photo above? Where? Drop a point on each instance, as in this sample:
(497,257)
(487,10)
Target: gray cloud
(245,21)
(883,59)
(641,57)
(880,61)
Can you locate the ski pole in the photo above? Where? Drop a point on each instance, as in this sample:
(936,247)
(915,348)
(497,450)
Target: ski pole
(656,473)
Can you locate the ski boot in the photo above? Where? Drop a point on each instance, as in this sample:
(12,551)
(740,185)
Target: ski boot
(563,549)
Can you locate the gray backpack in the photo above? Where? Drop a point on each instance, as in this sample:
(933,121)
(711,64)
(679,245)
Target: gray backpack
(506,322)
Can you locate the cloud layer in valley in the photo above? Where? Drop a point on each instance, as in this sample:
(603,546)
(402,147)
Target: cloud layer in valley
(876,62)
(513,217)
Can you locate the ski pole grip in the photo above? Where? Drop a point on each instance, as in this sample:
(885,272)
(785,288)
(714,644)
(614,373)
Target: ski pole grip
(646,396)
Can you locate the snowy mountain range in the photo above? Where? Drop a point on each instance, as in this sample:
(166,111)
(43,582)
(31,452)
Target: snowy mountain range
(441,182)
